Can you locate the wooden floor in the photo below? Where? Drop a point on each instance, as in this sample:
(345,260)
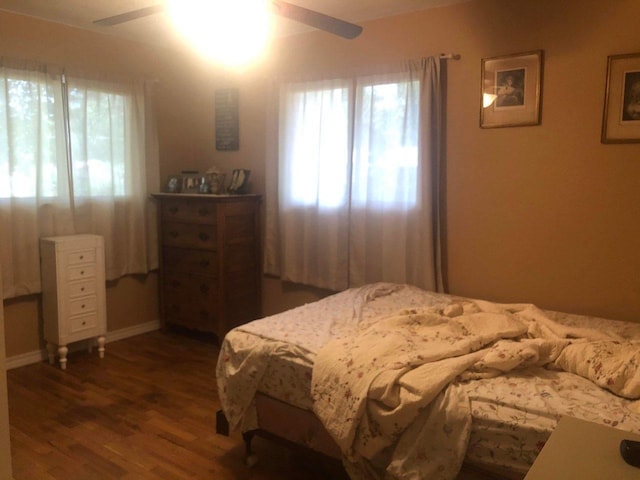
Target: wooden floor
(145,411)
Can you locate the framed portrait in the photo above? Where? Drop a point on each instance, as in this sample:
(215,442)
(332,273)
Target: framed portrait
(511,90)
(621,117)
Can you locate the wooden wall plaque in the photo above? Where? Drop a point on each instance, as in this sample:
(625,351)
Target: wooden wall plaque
(227,119)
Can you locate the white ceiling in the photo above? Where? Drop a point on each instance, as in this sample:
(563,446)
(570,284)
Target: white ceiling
(157,29)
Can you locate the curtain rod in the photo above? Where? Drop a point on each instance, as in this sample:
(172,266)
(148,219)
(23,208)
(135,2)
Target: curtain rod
(449,56)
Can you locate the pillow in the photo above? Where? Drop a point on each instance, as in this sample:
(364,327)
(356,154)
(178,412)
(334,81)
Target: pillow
(609,364)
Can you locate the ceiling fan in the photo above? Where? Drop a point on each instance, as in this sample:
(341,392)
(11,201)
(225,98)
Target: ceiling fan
(288,10)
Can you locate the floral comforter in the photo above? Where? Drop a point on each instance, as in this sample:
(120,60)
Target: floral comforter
(393,386)
(495,392)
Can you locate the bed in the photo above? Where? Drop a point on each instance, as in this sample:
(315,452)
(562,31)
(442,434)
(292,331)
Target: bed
(399,382)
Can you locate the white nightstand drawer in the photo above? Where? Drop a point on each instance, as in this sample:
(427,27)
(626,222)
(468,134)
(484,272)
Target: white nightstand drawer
(83,322)
(83,305)
(84,271)
(86,287)
(81,256)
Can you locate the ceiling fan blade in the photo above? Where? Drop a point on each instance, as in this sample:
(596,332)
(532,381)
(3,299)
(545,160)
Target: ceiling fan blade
(294,12)
(128,16)
(317,20)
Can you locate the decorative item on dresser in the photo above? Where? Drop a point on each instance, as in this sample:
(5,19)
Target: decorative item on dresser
(73,292)
(210,261)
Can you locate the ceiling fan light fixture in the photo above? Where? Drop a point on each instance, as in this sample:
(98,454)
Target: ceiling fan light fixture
(232,32)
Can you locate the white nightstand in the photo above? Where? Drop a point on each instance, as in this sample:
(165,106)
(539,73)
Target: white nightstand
(583,450)
(73,292)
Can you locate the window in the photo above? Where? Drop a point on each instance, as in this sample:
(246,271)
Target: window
(98,132)
(96,121)
(355,173)
(74,158)
(386,144)
(319,128)
(30,118)
(317,139)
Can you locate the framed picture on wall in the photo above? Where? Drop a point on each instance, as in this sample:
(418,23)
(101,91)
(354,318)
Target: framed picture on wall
(621,117)
(511,90)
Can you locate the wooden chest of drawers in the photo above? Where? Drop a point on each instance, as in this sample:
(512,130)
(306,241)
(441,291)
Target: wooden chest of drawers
(73,292)
(210,261)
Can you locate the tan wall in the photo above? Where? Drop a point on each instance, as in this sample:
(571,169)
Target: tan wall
(543,214)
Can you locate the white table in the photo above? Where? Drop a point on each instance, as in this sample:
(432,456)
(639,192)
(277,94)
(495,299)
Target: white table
(583,450)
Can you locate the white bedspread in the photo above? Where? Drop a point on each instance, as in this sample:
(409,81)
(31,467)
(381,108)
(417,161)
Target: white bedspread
(389,394)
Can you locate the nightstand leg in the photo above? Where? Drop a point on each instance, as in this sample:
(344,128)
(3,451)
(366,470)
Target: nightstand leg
(101,342)
(62,352)
(51,353)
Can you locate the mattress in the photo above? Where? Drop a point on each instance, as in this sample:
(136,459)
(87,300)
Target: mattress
(512,414)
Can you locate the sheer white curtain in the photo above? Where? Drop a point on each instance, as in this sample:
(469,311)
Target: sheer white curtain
(357,180)
(314,182)
(109,164)
(73,159)
(34,183)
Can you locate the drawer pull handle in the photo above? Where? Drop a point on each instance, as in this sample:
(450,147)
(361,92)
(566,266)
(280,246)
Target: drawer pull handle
(82,289)
(81,272)
(82,306)
(203,236)
(84,323)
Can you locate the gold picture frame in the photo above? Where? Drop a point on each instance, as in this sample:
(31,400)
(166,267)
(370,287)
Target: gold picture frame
(511,90)
(621,115)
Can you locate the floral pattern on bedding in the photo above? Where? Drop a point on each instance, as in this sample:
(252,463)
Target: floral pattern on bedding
(372,387)
(513,414)
(269,349)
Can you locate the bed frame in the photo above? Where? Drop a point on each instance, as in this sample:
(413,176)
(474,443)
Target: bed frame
(301,429)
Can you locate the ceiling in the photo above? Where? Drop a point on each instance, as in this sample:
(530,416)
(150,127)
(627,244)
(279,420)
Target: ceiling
(157,29)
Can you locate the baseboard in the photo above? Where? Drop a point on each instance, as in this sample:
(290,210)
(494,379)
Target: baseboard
(36,356)
(133,331)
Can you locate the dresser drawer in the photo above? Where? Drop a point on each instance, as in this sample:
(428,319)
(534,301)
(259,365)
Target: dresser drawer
(81,272)
(81,256)
(82,305)
(191,300)
(192,317)
(189,235)
(188,210)
(82,288)
(187,260)
(190,289)
(83,322)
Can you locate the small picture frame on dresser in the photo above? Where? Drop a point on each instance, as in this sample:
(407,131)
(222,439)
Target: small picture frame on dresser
(174,184)
(190,182)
